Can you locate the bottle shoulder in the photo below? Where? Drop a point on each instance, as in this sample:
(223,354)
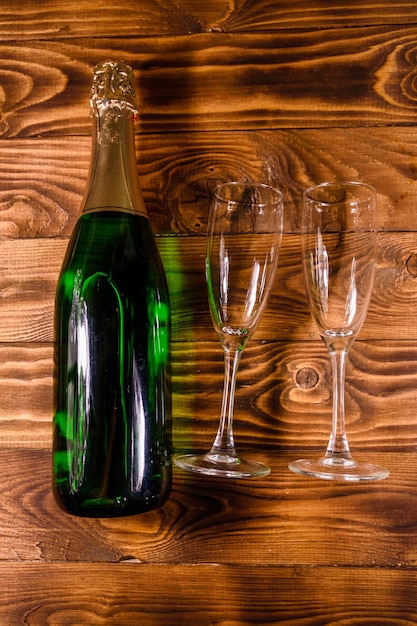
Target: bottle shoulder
(112,227)
(114,243)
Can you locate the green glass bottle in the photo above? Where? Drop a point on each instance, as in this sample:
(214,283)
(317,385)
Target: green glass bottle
(112,421)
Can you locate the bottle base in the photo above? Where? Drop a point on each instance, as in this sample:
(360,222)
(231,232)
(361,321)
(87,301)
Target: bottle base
(106,508)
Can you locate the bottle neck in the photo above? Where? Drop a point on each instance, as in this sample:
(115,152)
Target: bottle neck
(113,183)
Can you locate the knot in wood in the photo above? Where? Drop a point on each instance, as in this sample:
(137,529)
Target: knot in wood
(216,28)
(306,378)
(411,265)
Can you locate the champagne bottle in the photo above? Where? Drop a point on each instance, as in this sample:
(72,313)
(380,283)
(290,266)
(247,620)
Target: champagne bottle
(111,445)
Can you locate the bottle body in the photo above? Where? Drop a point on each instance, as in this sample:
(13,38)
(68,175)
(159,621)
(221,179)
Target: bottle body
(112,425)
(112,421)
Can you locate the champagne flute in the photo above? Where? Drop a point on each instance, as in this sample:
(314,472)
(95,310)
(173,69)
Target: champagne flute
(243,243)
(339,243)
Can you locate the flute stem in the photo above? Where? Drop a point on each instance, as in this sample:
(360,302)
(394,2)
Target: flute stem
(224,441)
(338,446)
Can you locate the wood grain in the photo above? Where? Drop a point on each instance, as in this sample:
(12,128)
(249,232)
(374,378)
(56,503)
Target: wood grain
(283,519)
(56,20)
(291,93)
(294,79)
(283,398)
(29,270)
(42,181)
(128,594)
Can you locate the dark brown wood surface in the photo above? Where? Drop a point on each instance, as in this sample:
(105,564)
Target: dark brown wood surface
(290,93)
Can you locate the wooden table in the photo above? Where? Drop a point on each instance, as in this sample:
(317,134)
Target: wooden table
(291,93)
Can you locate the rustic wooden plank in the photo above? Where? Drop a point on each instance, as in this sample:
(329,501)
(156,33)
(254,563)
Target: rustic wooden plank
(36,19)
(283,398)
(313,78)
(266,15)
(29,271)
(326,78)
(26,395)
(129,594)
(178,172)
(286,316)
(282,519)
(42,181)
(55,21)
(334,83)
(28,278)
